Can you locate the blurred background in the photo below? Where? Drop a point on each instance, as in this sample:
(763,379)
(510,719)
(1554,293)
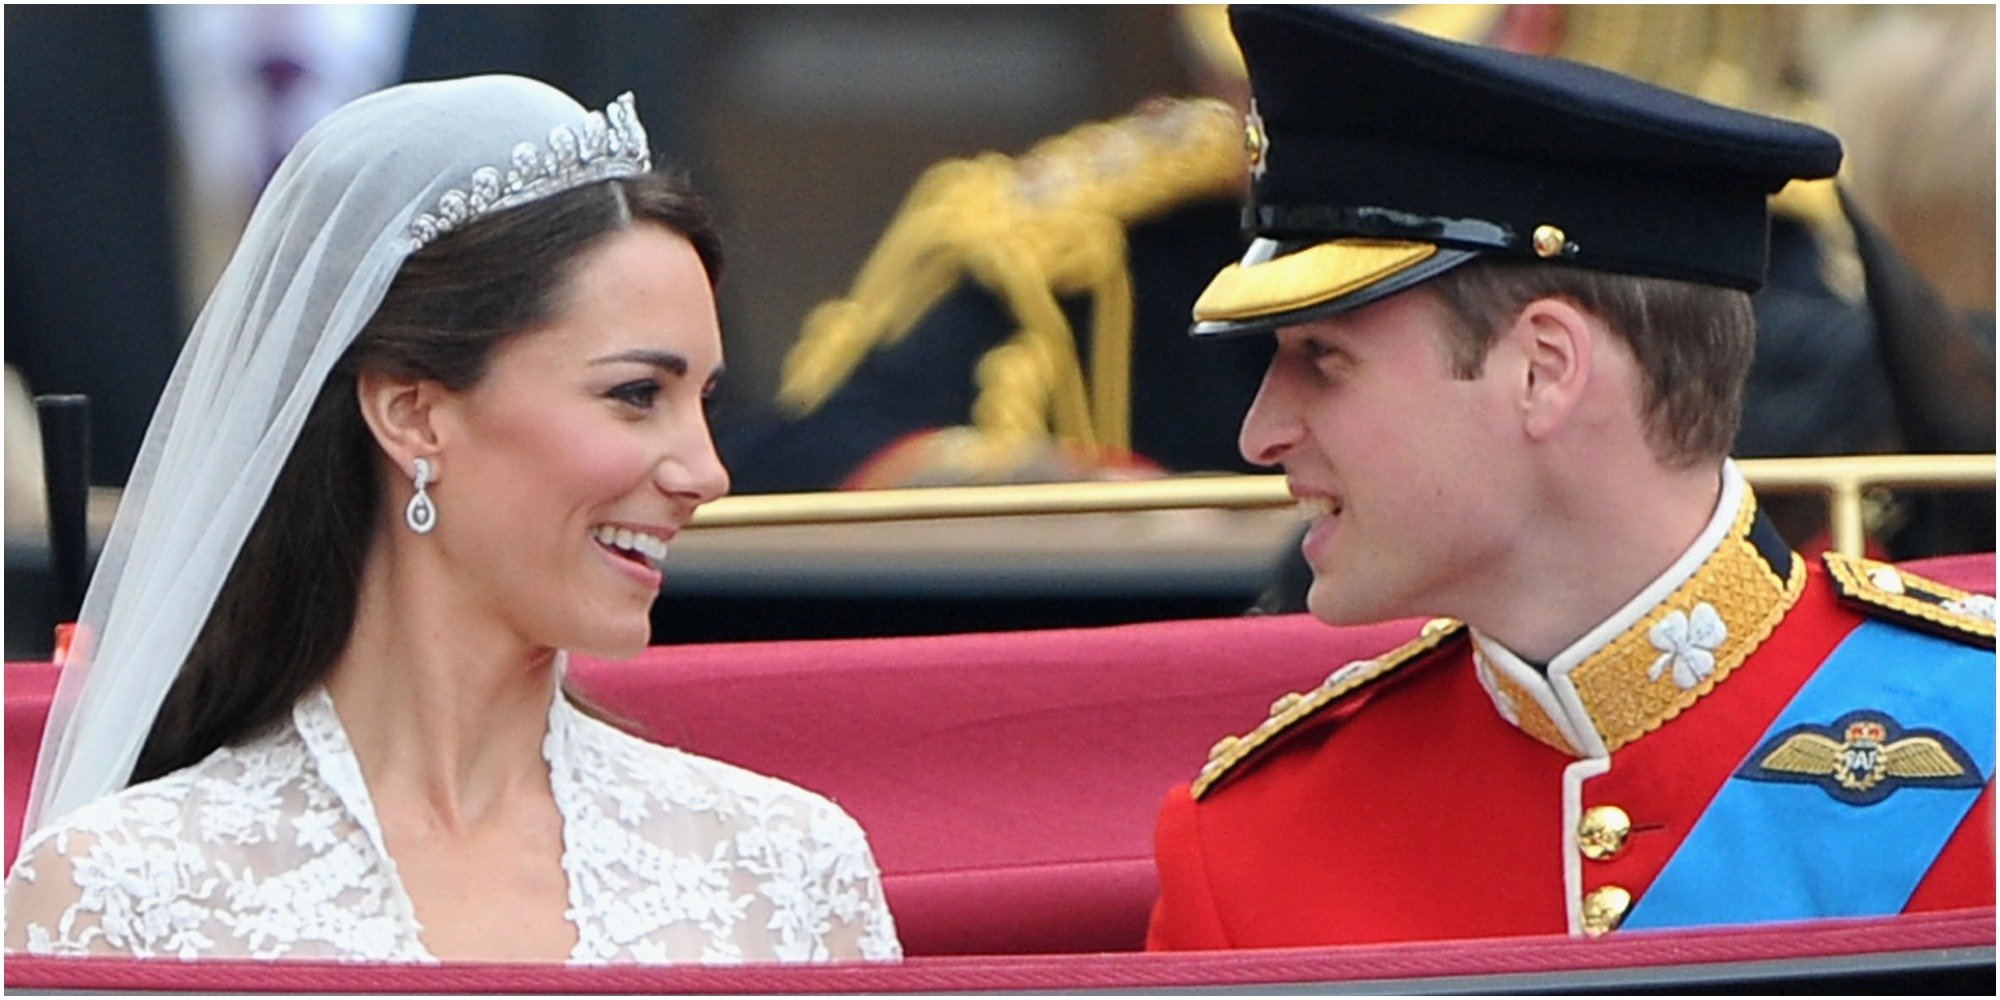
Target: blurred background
(136,138)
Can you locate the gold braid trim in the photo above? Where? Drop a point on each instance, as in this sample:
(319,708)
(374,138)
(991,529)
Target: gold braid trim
(1030,230)
(1292,709)
(1628,687)
(1625,687)
(1884,591)
(1528,714)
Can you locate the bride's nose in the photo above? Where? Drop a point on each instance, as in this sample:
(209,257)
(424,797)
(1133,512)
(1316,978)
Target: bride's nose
(693,469)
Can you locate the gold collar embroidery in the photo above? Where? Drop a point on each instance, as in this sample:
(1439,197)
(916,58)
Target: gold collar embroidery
(1669,658)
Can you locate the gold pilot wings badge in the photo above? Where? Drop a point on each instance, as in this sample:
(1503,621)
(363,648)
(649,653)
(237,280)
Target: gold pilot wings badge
(1863,758)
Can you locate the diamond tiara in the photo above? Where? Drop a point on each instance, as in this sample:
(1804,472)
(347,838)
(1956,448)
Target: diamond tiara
(613,144)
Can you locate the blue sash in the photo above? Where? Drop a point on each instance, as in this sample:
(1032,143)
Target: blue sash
(1779,844)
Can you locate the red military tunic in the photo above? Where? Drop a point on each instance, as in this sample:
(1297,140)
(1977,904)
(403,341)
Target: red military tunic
(1447,790)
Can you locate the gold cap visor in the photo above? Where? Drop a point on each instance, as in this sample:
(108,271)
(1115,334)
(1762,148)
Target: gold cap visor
(1280,284)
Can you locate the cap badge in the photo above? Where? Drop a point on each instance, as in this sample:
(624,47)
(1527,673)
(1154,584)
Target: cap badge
(1255,142)
(1551,241)
(1862,758)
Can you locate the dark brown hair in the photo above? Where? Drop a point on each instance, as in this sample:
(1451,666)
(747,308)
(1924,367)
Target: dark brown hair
(1693,342)
(287,607)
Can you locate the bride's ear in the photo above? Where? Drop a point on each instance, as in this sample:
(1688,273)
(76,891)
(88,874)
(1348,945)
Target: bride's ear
(402,415)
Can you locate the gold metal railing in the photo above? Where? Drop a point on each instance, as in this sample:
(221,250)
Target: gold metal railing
(1843,480)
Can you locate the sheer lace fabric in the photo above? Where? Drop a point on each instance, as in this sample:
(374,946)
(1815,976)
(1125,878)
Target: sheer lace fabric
(271,849)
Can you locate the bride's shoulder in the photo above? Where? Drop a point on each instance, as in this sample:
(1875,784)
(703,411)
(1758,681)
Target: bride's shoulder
(117,855)
(155,810)
(181,808)
(139,871)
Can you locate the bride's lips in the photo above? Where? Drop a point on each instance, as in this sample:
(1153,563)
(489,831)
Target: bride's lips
(637,551)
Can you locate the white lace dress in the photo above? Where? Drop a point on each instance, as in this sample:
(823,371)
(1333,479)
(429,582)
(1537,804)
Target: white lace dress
(272,850)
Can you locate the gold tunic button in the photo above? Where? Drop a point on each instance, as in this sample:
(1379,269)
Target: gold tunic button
(1604,908)
(1602,831)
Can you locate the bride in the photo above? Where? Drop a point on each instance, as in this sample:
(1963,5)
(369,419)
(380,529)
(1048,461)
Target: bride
(438,424)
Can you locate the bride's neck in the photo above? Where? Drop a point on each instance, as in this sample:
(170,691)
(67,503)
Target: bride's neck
(441,702)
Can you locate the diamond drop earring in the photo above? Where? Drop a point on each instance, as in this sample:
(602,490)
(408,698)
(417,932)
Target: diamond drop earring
(421,515)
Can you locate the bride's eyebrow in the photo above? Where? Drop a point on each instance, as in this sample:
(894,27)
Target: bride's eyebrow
(668,361)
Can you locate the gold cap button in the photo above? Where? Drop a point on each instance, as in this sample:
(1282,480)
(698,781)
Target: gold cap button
(1602,831)
(1549,241)
(1604,909)
(1255,142)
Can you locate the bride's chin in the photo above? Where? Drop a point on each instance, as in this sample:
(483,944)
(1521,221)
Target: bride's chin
(620,643)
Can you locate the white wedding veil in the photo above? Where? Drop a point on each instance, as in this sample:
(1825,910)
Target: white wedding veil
(361,191)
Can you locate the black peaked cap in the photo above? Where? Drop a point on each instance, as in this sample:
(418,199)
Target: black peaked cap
(1421,153)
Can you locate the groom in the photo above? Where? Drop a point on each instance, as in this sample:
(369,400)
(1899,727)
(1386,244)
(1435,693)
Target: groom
(1510,299)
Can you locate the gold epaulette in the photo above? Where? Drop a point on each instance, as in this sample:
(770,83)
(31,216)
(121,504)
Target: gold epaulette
(1884,591)
(1030,229)
(1231,752)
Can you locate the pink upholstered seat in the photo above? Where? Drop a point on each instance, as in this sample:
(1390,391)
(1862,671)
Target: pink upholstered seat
(1008,781)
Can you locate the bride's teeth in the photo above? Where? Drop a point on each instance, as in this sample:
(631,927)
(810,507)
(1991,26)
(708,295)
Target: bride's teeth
(651,546)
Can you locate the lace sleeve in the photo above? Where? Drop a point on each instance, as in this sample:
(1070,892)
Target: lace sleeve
(861,926)
(816,893)
(42,904)
(102,893)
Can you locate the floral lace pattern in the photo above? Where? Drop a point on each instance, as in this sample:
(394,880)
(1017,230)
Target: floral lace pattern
(272,849)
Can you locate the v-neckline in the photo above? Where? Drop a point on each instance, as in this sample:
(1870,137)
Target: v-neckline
(318,723)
